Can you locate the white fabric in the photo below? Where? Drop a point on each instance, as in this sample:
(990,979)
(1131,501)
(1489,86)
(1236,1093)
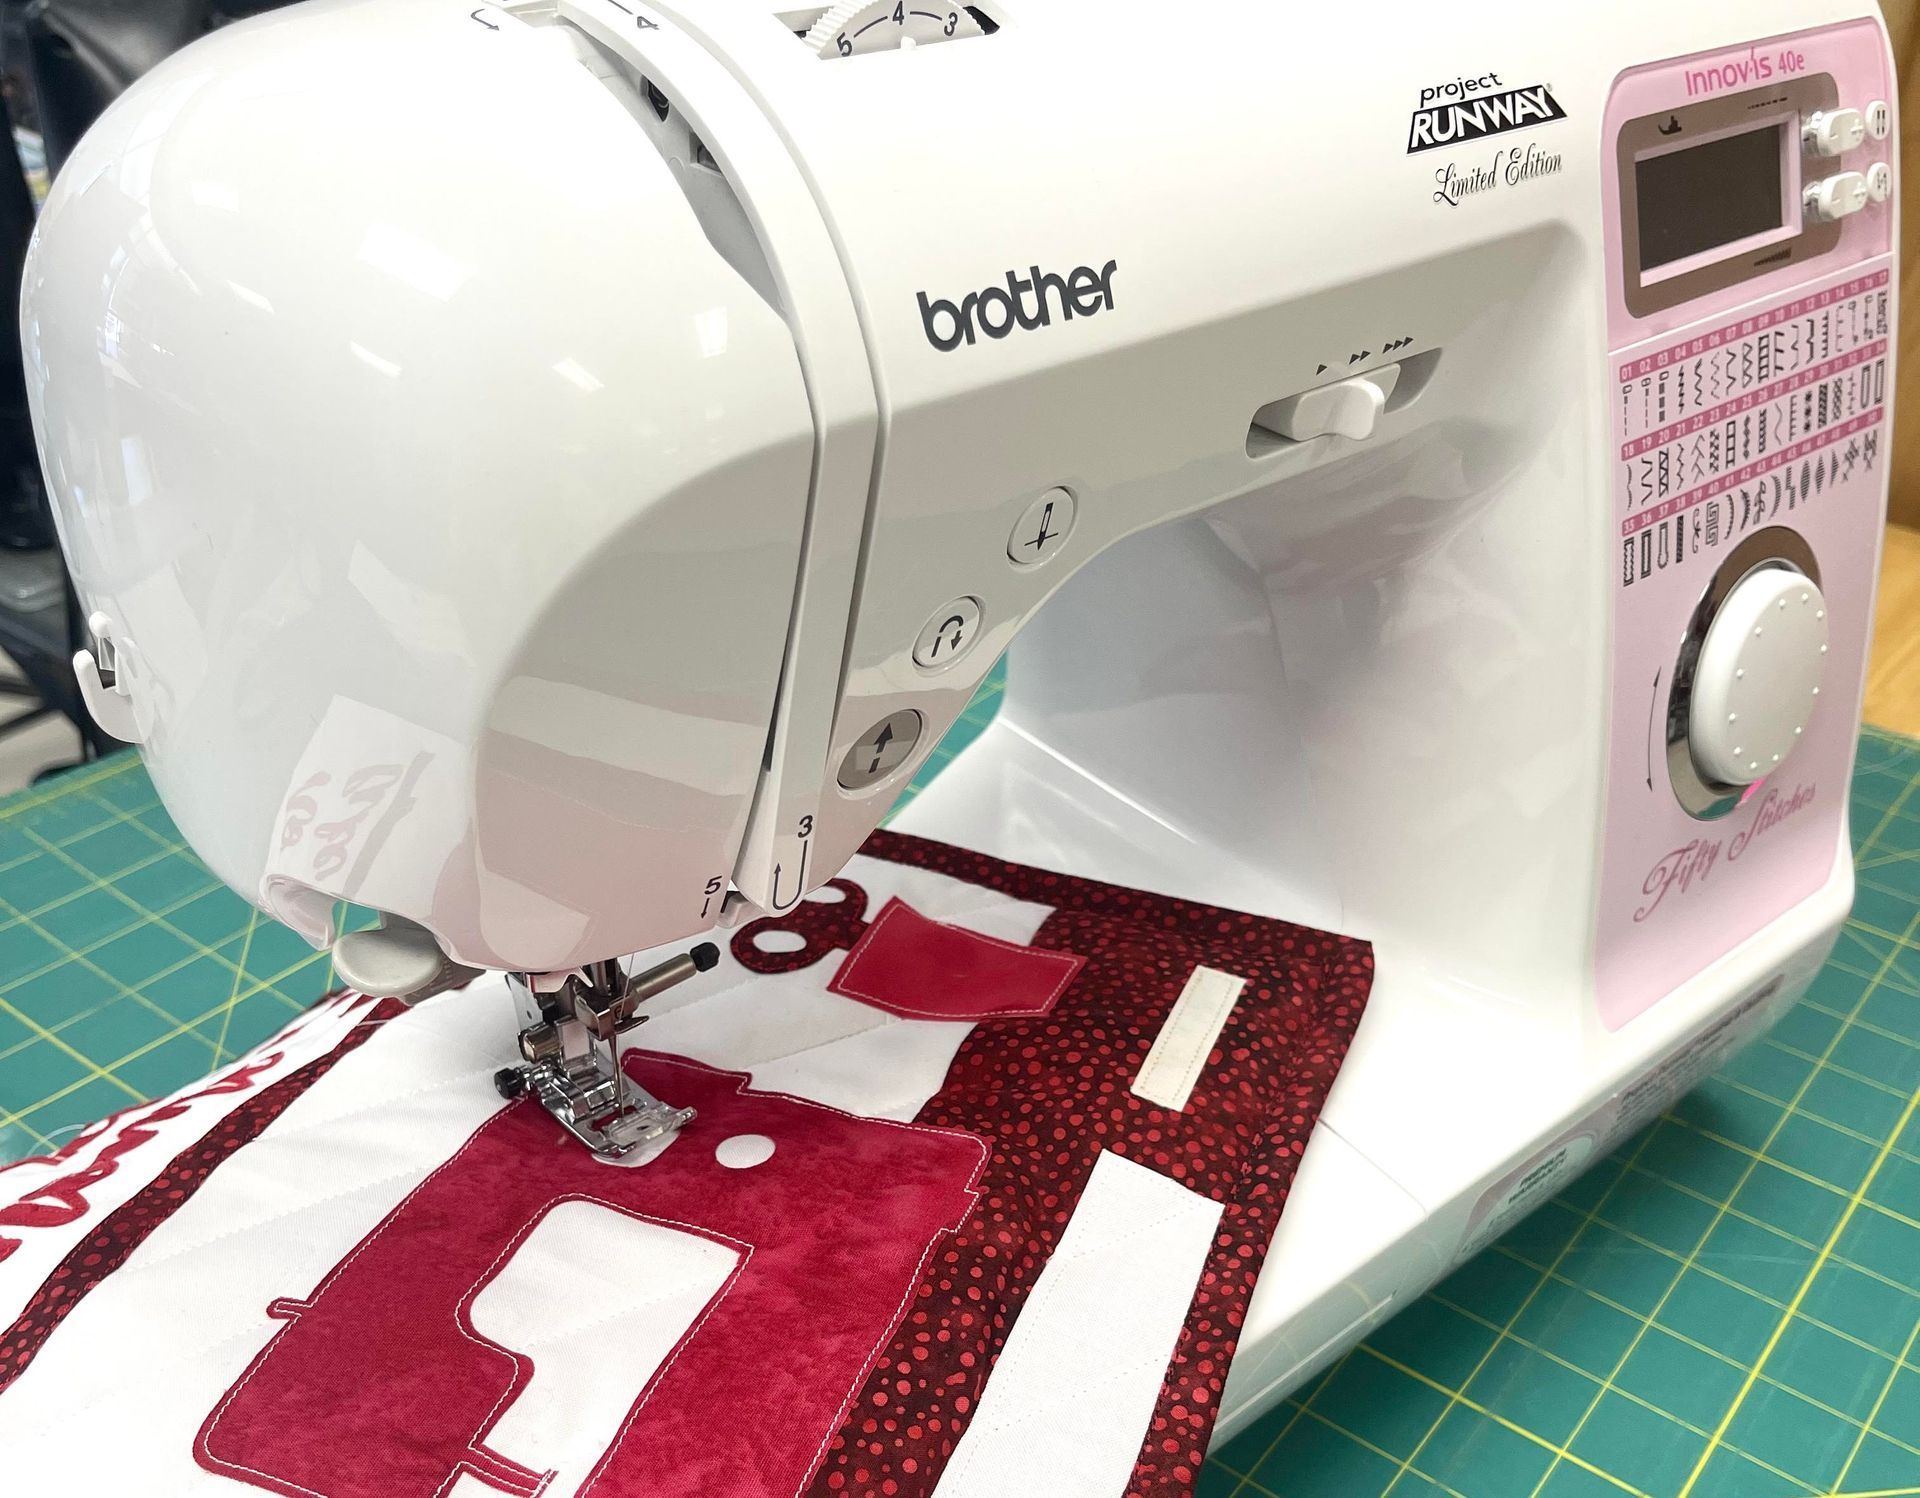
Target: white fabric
(151,1351)
(155,1347)
(200,1108)
(794,1036)
(567,1299)
(1193,1025)
(1075,1385)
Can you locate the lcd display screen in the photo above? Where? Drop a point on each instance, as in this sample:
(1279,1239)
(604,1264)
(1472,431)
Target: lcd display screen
(1701,197)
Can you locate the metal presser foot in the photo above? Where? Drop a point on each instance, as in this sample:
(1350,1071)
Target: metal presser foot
(570,1029)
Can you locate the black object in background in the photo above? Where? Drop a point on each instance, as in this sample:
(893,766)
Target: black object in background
(64,62)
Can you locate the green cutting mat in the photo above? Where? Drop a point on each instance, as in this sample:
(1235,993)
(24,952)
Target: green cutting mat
(1726,1307)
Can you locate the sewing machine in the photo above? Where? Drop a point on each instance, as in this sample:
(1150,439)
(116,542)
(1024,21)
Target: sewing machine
(552,472)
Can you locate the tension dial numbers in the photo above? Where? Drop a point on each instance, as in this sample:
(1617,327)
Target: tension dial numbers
(859,26)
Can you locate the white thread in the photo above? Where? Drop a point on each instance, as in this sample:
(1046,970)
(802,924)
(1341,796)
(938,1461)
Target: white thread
(741,1086)
(842,982)
(1187,1037)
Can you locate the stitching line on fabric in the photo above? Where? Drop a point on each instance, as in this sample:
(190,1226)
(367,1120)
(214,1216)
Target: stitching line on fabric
(843,980)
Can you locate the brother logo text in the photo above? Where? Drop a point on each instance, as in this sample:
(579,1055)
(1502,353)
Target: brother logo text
(1081,292)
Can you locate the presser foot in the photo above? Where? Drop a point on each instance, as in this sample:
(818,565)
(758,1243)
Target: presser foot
(610,1120)
(570,1030)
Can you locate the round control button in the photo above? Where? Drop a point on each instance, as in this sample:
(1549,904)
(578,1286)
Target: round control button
(948,635)
(1879,182)
(1042,529)
(881,750)
(1879,119)
(1758,676)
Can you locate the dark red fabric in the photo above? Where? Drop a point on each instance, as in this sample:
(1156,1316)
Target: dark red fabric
(380,1386)
(1046,1090)
(824,927)
(63,1199)
(106,1248)
(1050,1093)
(921,969)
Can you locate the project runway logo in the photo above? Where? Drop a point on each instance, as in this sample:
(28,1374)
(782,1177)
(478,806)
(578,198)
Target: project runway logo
(1465,109)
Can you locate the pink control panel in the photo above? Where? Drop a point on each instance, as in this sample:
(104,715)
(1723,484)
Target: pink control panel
(1751,311)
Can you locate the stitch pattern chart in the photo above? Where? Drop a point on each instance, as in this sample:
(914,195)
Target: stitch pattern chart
(1733,430)
(1758,440)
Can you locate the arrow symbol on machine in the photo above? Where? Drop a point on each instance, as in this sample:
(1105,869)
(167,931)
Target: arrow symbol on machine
(1653,704)
(476,16)
(1365,353)
(880,741)
(800,886)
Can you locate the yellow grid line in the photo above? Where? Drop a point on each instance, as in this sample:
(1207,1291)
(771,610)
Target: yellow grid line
(1903,943)
(123,989)
(1839,1071)
(1591,1217)
(1752,1221)
(1639,1335)
(1799,1295)
(1648,1323)
(1876,982)
(88,1062)
(1652,1319)
(1713,1274)
(233,998)
(1627,1394)
(1761,1157)
(182,1028)
(1299,1409)
(144,918)
(20,1123)
(110,815)
(62,785)
(1879,1403)
(1320,1417)
(127,900)
(94,944)
(33,853)
(1458,1397)
(1463,1401)
(1864,1024)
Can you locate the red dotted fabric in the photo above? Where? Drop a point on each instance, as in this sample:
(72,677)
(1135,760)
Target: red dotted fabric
(119,1233)
(823,926)
(1049,1094)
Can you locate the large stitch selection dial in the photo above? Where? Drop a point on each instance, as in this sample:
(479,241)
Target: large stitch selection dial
(1758,675)
(857,26)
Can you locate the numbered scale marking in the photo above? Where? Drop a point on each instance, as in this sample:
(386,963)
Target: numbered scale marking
(860,26)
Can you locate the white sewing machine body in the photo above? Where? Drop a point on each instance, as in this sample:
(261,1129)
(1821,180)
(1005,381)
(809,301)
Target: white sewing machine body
(514,512)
